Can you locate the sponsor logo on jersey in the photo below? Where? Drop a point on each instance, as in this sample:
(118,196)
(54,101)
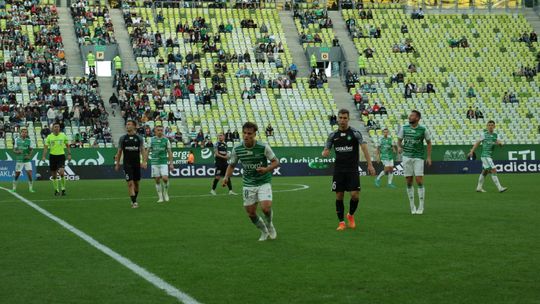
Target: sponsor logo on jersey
(344,149)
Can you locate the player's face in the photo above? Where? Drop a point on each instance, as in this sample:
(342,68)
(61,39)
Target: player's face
(343,121)
(158,131)
(130,126)
(56,129)
(491,127)
(413,118)
(249,136)
(385,133)
(221,137)
(24,133)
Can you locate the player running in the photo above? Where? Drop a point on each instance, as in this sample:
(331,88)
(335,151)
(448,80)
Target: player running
(221,156)
(161,159)
(257,176)
(411,139)
(23,149)
(57,141)
(346,141)
(131,145)
(489,139)
(385,153)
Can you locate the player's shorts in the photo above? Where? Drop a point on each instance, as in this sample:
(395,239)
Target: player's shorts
(26,166)
(346,181)
(221,169)
(487,163)
(133,172)
(388,162)
(260,193)
(56,162)
(413,166)
(160,170)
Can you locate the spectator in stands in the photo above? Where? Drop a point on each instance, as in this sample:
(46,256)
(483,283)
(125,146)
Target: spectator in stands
(45,131)
(470,92)
(228,136)
(51,115)
(362,64)
(409,89)
(2,132)
(269,130)
(404,28)
(470,113)
(235,135)
(368,52)
(335,42)
(376,108)
(412,68)
(430,88)
(333,120)
(91,61)
(418,14)
(478,113)
(263,29)
(382,110)
(533,37)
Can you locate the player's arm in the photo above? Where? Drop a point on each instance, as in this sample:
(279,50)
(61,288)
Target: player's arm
(233,160)
(216,153)
(45,148)
(378,154)
(16,149)
(274,162)
(371,169)
(30,151)
(142,150)
(427,137)
(118,155)
(476,145)
(499,143)
(328,145)
(170,155)
(68,148)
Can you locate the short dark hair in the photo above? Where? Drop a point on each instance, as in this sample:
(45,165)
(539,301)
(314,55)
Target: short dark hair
(417,113)
(56,123)
(491,121)
(132,121)
(344,111)
(250,125)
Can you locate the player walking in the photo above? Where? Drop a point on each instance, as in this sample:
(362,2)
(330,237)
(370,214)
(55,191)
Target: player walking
(411,139)
(23,155)
(346,142)
(221,156)
(489,139)
(257,176)
(161,159)
(57,141)
(131,145)
(385,153)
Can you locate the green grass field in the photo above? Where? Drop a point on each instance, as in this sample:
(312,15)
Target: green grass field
(467,247)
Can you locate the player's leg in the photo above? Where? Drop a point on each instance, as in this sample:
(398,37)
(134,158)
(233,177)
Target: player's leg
(339,188)
(131,192)
(229,181)
(496,181)
(353,205)
(250,205)
(486,169)
(419,174)
(215,182)
(390,173)
(136,180)
(165,178)
(379,177)
(29,176)
(16,178)
(409,172)
(62,174)
(53,167)
(156,174)
(264,195)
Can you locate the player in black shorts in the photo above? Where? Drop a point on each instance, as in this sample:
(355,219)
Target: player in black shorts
(346,141)
(132,146)
(221,155)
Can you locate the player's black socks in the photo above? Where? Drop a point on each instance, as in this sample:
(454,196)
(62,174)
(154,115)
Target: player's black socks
(214,185)
(133,198)
(229,184)
(340,210)
(254,219)
(136,194)
(353,206)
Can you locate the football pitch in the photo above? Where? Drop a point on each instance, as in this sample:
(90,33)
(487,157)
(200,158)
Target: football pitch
(467,247)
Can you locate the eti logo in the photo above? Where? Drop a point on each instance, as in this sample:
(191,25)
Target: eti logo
(522,155)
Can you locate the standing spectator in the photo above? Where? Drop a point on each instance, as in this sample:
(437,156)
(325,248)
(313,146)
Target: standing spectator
(361,65)
(470,92)
(235,135)
(91,60)
(118,64)
(269,131)
(470,113)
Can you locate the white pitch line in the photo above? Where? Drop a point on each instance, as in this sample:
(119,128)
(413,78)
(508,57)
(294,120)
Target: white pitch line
(143,273)
(300,187)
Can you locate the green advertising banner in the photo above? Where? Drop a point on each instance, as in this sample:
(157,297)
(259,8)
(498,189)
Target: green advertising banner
(289,155)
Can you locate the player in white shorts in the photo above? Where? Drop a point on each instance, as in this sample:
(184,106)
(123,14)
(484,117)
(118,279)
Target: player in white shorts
(23,149)
(161,158)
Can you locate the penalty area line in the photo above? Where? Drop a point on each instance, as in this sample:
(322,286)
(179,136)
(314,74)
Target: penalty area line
(138,270)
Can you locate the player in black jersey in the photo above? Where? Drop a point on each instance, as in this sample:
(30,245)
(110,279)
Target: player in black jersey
(346,142)
(222,156)
(132,146)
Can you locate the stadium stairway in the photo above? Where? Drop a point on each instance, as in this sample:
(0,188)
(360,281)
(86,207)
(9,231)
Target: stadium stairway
(347,46)
(116,123)
(71,48)
(533,18)
(293,41)
(122,38)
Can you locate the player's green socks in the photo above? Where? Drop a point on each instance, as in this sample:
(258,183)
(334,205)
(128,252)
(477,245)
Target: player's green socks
(55,183)
(63,182)
(381,174)
(410,193)
(421,194)
(259,223)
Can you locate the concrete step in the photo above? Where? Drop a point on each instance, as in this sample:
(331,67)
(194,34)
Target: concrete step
(71,47)
(293,41)
(122,38)
(116,122)
(340,30)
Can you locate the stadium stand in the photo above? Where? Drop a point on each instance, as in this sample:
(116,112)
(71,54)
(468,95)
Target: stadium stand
(225,66)
(442,65)
(33,89)
(314,26)
(92,21)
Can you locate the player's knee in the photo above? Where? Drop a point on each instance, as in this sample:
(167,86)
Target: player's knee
(355,196)
(339,195)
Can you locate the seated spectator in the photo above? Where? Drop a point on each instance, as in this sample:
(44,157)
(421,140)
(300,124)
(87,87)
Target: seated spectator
(228,136)
(333,119)
(376,108)
(269,131)
(412,68)
(430,88)
(404,28)
(470,92)
(533,37)
(382,110)
(478,113)
(368,52)
(470,113)
(243,72)
(235,135)
(417,14)
(335,42)
(409,89)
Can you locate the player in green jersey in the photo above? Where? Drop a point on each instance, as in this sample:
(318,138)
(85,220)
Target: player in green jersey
(57,141)
(254,156)
(161,158)
(411,139)
(23,155)
(385,154)
(489,139)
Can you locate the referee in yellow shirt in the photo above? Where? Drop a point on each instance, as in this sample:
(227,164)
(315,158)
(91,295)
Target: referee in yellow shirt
(57,141)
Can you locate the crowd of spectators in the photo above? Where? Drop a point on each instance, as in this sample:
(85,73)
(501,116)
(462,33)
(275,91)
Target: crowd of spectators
(93,24)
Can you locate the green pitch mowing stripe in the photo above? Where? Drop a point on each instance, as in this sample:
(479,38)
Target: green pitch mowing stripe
(143,273)
(468,247)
